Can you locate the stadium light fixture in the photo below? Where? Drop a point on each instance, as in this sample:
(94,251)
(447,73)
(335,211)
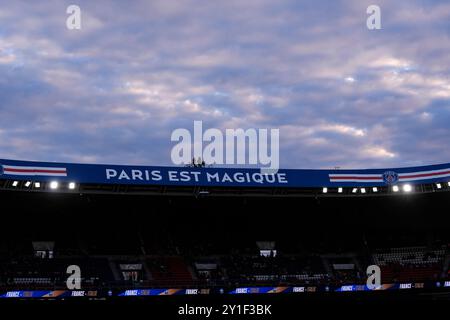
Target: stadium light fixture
(27,184)
(15,183)
(439,186)
(407,188)
(340,190)
(72,186)
(325,190)
(54,185)
(375,189)
(355,190)
(448,183)
(37,184)
(395,188)
(363,190)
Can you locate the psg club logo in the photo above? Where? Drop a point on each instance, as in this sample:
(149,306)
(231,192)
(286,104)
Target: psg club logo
(390,177)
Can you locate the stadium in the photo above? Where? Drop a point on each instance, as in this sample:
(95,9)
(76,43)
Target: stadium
(183,233)
(218,158)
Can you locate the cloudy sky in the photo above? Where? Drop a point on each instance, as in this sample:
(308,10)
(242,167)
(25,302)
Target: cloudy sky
(113,92)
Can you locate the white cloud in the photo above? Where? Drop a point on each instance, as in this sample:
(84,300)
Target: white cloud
(378,152)
(342,129)
(349,79)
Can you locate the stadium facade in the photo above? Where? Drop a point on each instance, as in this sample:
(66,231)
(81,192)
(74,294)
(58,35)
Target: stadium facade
(423,179)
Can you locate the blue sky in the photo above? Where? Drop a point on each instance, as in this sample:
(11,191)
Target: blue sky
(113,92)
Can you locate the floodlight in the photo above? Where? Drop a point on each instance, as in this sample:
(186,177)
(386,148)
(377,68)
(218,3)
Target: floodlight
(407,188)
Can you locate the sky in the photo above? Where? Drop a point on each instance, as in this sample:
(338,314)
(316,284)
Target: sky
(340,94)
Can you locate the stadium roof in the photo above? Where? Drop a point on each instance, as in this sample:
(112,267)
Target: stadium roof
(27,173)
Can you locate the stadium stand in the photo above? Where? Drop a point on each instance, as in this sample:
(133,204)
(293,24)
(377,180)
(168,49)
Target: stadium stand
(127,241)
(411,263)
(178,257)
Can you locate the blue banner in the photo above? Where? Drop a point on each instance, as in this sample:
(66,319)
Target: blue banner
(218,177)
